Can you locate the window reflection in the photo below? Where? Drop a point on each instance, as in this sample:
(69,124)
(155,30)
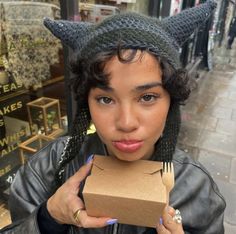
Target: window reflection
(96,12)
(31,69)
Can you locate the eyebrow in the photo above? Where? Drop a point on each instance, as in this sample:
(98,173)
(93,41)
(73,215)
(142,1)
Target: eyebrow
(148,86)
(138,88)
(105,88)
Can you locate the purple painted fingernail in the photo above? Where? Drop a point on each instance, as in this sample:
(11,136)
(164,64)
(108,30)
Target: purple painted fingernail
(161,221)
(111,221)
(90,158)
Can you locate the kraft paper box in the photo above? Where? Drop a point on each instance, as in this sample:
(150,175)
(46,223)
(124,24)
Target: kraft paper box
(131,192)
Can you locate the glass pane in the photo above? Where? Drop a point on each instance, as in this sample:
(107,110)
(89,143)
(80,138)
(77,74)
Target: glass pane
(32,95)
(96,11)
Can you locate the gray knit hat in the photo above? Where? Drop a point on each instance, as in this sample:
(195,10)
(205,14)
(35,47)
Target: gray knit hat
(129,31)
(133,31)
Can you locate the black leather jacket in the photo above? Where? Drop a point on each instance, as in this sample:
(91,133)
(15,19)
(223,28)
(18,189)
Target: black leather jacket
(195,194)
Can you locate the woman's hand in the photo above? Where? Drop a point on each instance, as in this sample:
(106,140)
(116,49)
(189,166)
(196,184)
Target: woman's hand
(167,224)
(65,202)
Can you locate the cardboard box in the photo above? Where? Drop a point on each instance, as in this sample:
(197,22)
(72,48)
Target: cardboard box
(132,192)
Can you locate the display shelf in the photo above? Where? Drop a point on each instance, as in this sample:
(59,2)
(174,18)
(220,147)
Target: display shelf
(32,145)
(44,116)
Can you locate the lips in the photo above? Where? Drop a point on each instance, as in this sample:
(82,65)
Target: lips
(129,146)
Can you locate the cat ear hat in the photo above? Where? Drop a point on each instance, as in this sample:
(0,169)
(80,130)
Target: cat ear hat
(162,38)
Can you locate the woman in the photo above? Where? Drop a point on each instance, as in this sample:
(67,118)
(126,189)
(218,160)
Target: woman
(129,84)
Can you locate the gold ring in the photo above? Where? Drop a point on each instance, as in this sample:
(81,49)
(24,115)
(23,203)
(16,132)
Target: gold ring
(76,215)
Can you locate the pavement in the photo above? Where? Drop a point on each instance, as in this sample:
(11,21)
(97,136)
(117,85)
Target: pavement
(208,130)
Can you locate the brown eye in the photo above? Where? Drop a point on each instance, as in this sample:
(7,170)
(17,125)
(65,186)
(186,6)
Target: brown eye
(147,98)
(104,100)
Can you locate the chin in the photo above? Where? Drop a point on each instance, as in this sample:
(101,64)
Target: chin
(128,157)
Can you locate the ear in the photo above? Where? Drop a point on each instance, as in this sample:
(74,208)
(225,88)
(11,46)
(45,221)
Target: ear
(69,32)
(182,25)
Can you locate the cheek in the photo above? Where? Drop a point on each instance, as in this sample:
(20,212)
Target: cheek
(100,119)
(157,118)
(104,126)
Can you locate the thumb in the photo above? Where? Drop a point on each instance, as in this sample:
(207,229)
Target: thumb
(83,172)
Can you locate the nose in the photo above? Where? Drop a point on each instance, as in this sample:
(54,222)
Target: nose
(127,119)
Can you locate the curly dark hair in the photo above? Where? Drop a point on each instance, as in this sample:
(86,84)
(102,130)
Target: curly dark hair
(89,74)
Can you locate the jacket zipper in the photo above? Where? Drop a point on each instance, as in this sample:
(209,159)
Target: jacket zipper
(115,228)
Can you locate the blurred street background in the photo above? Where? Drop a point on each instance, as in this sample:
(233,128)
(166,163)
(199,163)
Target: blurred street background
(208,129)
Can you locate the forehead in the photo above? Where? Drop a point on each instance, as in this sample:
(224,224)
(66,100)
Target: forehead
(144,69)
(141,61)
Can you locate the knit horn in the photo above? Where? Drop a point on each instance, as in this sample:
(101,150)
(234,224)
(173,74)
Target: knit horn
(77,35)
(182,25)
(69,32)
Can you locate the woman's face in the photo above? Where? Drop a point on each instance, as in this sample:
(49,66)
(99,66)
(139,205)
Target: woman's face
(130,114)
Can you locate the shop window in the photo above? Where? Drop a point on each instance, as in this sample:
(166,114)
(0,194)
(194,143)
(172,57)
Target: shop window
(96,11)
(32,95)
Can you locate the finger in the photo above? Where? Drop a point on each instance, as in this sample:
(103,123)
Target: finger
(93,222)
(161,228)
(73,183)
(81,174)
(171,211)
(169,223)
(77,203)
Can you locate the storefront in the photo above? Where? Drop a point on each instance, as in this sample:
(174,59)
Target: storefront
(197,50)
(32,94)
